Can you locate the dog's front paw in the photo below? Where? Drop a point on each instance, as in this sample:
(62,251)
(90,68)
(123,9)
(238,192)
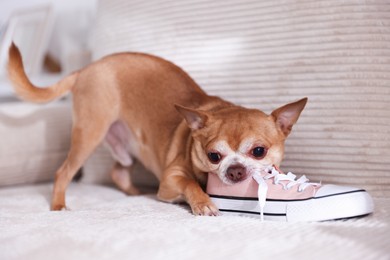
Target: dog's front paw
(205,209)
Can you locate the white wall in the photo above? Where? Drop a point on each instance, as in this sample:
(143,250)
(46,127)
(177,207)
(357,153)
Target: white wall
(68,42)
(8,6)
(72,22)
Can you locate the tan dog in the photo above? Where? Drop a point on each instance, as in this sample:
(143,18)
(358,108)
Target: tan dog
(136,103)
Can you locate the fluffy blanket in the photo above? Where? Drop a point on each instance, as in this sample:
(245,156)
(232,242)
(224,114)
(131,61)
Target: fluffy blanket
(105,224)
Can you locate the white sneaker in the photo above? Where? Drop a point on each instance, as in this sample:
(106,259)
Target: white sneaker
(273,195)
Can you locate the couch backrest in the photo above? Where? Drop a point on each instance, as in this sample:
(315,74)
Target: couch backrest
(264,54)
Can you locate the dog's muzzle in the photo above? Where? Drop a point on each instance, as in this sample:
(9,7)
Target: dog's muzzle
(236,173)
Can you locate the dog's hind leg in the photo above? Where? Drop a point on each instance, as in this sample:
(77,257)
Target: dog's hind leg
(118,140)
(91,121)
(121,175)
(84,141)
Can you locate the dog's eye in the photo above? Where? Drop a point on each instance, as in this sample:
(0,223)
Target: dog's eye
(259,152)
(214,157)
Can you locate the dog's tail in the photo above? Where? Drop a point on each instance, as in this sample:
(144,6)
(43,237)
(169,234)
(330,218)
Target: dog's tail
(26,90)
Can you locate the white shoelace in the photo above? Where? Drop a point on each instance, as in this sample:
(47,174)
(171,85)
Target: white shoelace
(303,183)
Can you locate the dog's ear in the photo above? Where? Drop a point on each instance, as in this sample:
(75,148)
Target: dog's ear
(287,115)
(196,119)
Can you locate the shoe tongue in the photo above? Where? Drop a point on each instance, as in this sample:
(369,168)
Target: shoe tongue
(278,169)
(271,169)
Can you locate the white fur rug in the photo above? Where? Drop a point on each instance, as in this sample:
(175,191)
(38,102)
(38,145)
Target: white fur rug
(105,224)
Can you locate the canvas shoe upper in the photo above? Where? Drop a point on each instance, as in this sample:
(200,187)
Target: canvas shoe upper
(273,195)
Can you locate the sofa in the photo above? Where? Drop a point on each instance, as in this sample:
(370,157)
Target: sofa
(259,54)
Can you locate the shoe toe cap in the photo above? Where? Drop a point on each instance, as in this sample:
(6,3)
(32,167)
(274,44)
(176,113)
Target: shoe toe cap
(330,189)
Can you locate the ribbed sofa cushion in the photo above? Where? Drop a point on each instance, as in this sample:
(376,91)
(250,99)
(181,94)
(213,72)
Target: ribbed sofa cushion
(34,141)
(264,54)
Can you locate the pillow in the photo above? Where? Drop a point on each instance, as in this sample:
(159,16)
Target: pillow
(34,141)
(264,54)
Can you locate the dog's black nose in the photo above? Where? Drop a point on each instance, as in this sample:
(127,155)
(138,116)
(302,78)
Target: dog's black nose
(236,173)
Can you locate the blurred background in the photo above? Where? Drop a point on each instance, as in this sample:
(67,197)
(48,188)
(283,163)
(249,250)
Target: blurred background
(259,54)
(53,37)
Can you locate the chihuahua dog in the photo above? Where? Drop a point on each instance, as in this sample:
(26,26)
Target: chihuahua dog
(147,108)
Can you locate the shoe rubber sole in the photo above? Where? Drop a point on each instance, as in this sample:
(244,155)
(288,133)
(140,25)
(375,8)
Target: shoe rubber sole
(344,205)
